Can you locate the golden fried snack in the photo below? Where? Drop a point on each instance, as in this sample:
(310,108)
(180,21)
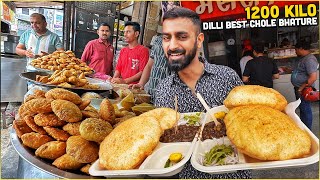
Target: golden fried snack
(51,150)
(130,143)
(48,119)
(265,133)
(30,122)
(56,133)
(72,128)
(66,110)
(35,140)
(84,104)
(39,105)
(67,162)
(82,150)
(254,95)
(90,114)
(21,127)
(107,112)
(94,129)
(167,117)
(24,111)
(91,95)
(124,118)
(65,84)
(59,93)
(37,94)
(85,169)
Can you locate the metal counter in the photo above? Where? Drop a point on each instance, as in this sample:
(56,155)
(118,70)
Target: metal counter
(13,88)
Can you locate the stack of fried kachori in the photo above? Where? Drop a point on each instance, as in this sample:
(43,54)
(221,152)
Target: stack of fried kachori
(50,122)
(258,128)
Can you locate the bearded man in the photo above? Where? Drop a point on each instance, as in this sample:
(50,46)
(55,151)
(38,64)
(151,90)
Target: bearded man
(182,41)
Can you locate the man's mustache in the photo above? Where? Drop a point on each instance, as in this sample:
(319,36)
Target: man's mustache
(177,51)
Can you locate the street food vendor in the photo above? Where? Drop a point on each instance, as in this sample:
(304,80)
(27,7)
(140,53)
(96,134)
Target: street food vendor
(98,53)
(132,59)
(192,74)
(38,41)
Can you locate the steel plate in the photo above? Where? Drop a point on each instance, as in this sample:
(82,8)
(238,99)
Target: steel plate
(31,76)
(28,155)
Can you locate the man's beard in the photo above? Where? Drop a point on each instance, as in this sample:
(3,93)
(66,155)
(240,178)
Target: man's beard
(178,65)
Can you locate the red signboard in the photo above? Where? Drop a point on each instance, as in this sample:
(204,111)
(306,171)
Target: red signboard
(212,10)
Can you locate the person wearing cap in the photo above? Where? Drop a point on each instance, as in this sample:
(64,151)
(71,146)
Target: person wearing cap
(156,68)
(247,55)
(261,70)
(304,74)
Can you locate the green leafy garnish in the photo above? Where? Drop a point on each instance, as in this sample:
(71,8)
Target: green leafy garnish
(193,119)
(217,155)
(168,164)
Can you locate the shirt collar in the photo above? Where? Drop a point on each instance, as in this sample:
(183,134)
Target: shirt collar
(100,41)
(45,34)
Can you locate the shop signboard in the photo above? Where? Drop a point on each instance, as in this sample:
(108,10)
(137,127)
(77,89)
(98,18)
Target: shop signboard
(213,10)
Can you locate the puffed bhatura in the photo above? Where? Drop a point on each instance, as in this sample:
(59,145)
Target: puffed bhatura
(66,110)
(21,127)
(35,140)
(107,112)
(67,162)
(94,129)
(265,133)
(72,128)
(167,117)
(254,95)
(51,150)
(130,143)
(56,133)
(48,119)
(82,150)
(59,93)
(30,122)
(39,105)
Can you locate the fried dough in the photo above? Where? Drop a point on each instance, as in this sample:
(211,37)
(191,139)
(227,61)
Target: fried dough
(21,127)
(37,94)
(130,143)
(59,93)
(253,95)
(66,110)
(85,169)
(84,104)
(67,162)
(94,129)
(265,133)
(107,112)
(35,140)
(24,111)
(82,150)
(30,122)
(39,105)
(57,134)
(51,150)
(72,128)
(48,119)
(166,117)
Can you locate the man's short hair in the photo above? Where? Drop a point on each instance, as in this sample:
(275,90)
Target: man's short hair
(135,25)
(39,15)
(180,12)
(258,46)
(303,44)
(104,24)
